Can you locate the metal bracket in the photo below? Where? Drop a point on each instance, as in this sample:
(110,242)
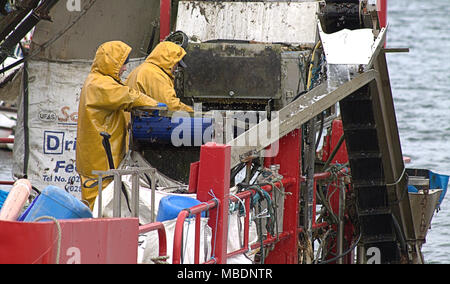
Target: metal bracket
(135,173)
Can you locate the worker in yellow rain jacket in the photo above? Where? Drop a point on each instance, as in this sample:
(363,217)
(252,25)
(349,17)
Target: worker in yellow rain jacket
(104,101)
(155,76)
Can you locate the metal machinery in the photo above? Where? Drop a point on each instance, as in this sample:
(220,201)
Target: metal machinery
(265,60)
(286,134)
(21,20)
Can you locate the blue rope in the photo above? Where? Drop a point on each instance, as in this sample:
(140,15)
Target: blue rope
(211,192)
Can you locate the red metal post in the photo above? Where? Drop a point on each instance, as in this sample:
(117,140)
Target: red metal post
(193,177)
(164,19)
(382,12)
(341,157)
(214,183)
(289,159)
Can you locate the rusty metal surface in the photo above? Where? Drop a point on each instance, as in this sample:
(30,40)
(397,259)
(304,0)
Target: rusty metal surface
(233,71)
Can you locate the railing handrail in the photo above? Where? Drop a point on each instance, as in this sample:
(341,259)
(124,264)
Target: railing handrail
(161,234)
(206,206)
(6,140)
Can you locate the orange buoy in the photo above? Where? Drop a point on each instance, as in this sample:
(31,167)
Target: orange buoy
(15,201)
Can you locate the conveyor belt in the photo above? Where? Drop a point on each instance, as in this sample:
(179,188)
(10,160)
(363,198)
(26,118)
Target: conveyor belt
(375,156)
(376,162)
(362,129)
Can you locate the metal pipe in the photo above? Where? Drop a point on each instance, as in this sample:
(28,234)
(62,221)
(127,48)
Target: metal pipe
(198,221)
(6,140)
(100,194)
(310,161)
(211,204)
(117,203)
(153,186)
(164,19)
(360,254)
(135,196)
(161,234)
(341,227)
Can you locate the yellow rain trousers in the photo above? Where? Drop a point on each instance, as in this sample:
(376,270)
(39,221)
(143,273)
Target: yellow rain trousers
(103,107)
(154,77)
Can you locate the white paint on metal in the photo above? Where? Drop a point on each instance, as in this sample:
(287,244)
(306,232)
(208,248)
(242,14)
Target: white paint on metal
(288,22)
(351,46)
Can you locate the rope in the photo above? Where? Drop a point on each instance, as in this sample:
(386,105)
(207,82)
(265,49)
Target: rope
(160,260)
(211,193)
(322,244)
(232,208)
(399,179)
(58,227)
(345,253)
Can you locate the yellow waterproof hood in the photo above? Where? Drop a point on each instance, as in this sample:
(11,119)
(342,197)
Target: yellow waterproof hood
(166,55)
(104,106)
(154,77)
(110,58)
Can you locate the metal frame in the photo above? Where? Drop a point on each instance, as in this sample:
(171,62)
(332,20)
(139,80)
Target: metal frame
(297,113)
(118,173)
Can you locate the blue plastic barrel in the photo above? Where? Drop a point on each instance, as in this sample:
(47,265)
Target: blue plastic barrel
(159,129)
(170,206)
(57,203)
(3,196)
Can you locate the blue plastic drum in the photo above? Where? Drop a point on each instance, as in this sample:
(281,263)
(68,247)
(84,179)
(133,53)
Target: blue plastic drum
(170,206)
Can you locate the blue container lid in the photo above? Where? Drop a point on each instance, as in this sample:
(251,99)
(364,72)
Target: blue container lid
(170,206)
(3,196)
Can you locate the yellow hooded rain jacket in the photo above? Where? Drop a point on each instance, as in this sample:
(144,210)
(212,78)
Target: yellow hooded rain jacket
(104,101)
(154,77)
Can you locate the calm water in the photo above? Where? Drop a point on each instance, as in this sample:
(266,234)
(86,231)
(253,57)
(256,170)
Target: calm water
(421,87)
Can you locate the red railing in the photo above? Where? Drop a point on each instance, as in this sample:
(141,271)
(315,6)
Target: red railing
(245,197)
(6,140)
(157,226)
(318,177)
(196,211)
(212,187)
